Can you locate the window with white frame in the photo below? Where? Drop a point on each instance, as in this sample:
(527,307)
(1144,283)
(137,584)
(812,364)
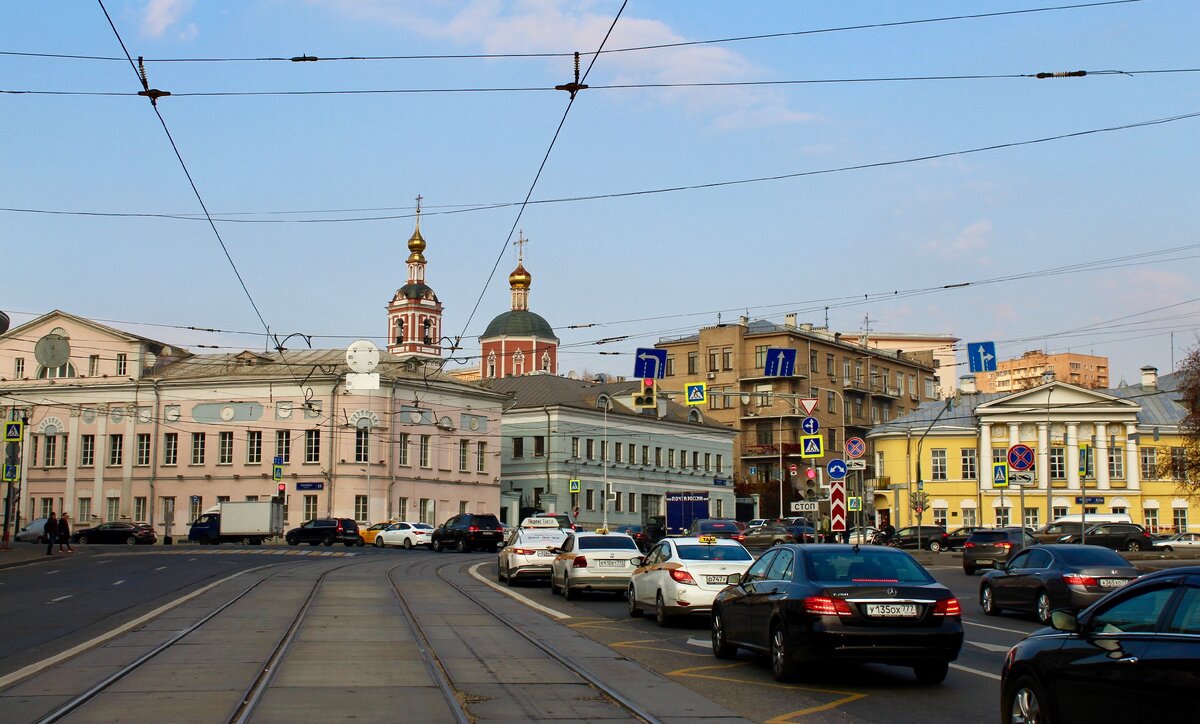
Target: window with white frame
(939,516)
(360,508)
(143,450)
(310,507)
(1179,517)
(720,462)
(464,455)
(225,448)
(481,457)
(312,446)
(1058,463)
(969,518)
(87,451)
(253,447)
(999,455)
(1149,457)
(1031,518)
(171,448)
(196,507)
(362,443)
(1002,517)
(575,447)
(402,449)
(970,467)
(1058,511)
(19,367)
(112,509)
(84,511)
(121,364)
(670,457)
(283,446)
(938,467)
(94,365)
(423,453)
(1116,465)
(1150,519)
(116,449)
(197,448)
(139,509)
(51,451)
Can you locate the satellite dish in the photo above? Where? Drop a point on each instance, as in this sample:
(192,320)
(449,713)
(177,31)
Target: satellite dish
(52,351)
(362,356)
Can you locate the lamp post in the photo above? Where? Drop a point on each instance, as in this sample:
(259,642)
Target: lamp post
(920,443)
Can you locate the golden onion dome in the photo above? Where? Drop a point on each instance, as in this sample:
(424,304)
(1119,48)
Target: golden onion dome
(416,257)
(416,242)
(520,279)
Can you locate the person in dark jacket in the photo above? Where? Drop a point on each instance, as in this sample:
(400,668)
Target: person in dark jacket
(51,532)
(64,535)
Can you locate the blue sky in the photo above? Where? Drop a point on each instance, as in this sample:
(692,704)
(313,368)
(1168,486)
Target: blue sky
(640,266)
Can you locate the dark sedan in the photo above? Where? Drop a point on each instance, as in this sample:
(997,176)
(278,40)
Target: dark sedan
(806,605)
(956,538)
(1134,656)
(1044,578)
(128,533)
(636,533)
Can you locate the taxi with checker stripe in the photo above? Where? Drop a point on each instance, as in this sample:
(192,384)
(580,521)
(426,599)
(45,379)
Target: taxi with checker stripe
(599,561)
(528,551)
(682,576)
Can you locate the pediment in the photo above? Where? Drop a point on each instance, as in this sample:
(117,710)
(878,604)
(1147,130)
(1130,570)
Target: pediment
(1058,399)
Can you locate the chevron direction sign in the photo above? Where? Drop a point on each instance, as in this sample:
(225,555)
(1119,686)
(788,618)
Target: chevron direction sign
(837,505)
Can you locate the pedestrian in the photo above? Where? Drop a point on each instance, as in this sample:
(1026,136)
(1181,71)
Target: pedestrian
(824,529)
(50,530)
(64,535)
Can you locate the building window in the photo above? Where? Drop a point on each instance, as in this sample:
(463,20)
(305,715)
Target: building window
(429,511)
(712,359)
(695,460)
(84,513)
(402,508)
(197,448)
(1002,517)
(658,457)
(1058,463)
(283,446)
(462,507)
(464,455)
(1058,512)
(616,497)
(94,366)
(939,516)
(310,507)
(121,364)
(52,373)
(112,509)
(590,447)
(670,457)
(632,498)
(574,447)
(360,508)
(707,462)
(720,462)
(812,361)
(116,449)
(858,408)
(1031,518)
(51,451)
(1150,519)
(604,450)
(254,447)
(760,357)
(970,470)
(19,368)
(139,509)
(931,388)
(143,449)
(830,403)
(171,448)
(519,363)
(518,447)
(1179,517)
(1178,463)
(225,448)
(999,455)
(402,453)
(1120,510)
(645,454)
(539,446)
(727,358)
(312,446)
(693,363)
(589,499)
(1116,464)
(197,507)
(481,457)
(632,450)
(617,454)
(1149,463)
(830,368)
(938,468)
(670,371)
(87,451)
(423,452)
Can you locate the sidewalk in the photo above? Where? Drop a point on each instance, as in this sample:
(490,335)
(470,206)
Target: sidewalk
(20,554)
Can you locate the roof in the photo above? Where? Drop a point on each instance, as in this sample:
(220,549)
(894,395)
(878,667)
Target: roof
(519,323)
(416,290)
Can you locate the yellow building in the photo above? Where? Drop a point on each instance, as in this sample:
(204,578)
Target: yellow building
(1094,451)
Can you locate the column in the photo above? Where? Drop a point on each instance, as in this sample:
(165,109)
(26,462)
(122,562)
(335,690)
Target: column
(1102,481)
(1043,456)
(985,461)
(72,453)
(1133,463)
(1073,481)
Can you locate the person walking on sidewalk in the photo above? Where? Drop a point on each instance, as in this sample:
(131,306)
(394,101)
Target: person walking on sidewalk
(64,535)
(50,530)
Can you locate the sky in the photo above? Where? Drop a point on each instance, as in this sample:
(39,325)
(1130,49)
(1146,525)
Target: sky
(874,164)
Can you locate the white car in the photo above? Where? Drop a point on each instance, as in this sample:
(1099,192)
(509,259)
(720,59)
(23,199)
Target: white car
(599,561)
(406,534)
(1180,541)
(528,551)
(682,576)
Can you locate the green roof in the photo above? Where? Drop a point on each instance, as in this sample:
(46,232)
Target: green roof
(519,324)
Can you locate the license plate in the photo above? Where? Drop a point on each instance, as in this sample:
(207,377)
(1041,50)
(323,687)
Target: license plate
(610,564)
(892,610)
(716,579)
(544,554)
(984,561)
(1112,582)
(487,534)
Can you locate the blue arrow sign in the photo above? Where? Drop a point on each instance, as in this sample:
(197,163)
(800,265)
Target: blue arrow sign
(836,469)
(753,470)
(981,356)
(650,363)
(781,362)
(810,426)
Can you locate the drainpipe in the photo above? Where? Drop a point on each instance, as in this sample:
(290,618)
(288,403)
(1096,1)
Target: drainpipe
(332,442)
(391,451)
(158,413)
(546,409)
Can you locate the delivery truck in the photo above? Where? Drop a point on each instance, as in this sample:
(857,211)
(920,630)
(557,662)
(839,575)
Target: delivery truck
(682,509)
(250,522)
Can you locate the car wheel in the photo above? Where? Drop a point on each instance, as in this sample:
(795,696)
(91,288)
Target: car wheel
(246,540)
(553,585)
(778,542)
(439,547)
(130,541)
(1133,545)
(932,673)
(987,601)
(500,572)
(722,649)
(782,666)
(328,540)
(360,542)
(1023,705)
(568,594)
(378,542)
(1041,607)
(408,544)
(661,617)
(969,570)
(291,540)
(635,611)
(462,545)
(83,539)
(935,546)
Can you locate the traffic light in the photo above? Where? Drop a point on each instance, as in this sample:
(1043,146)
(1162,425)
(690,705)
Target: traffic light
(645,397)
(282,493)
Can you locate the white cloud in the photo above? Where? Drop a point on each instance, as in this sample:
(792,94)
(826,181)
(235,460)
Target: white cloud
(161,15)
(971,242)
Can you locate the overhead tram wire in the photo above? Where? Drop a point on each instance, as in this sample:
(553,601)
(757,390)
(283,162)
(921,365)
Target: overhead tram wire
(659,46)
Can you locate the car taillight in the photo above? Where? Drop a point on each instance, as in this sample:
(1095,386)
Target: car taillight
(524,551)
(1005,546)
(684,577)
(738,536)
(968,544)
(579,562)
(1074,579)
(947,607)
(340,529)
(826,606)
(473,529)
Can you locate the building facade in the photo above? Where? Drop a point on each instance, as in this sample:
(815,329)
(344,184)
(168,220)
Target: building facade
(941,346)
(556,430)
(1013,375)
(519,341)
(1095,451)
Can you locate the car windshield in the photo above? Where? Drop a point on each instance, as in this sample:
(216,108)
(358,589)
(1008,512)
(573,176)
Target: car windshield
(990,536)
(702,552)
(1089,557)
(592,542)
(866,566)
(488,522)
(422,526)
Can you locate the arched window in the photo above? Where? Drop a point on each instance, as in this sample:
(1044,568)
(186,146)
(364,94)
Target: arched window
(399,330)
(694,416)
(519,363)
(67,370)
(602,402)
(546,361)
(427,337)
(491,365)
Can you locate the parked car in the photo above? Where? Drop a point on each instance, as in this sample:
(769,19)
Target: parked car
(1117,536)
(754,523)
(803,533)
(808,605)
(956,538)
(635,531)
(765,536)
(681,576)
(369,534)
(529,551)
(1133,656)
(114,532)
(1179,541)
(594,562)
(467,532)
(326,531)
(929,537)
(406,534)
(719,527)
(33,532)
(993,547)
(1045,578)
(863,535)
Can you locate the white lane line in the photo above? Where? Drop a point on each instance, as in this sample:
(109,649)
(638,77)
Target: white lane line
(37,666)
(998,628)
(990,647)
(60,598)
(51,573)
(100,563)
(703,644)
(977,672)
(161,568)
(473,570)
(117,583)
(191,559)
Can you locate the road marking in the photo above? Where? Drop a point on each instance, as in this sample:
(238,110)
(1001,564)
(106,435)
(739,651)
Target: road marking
(699,642)
(990,647)
(117,583)
(99,563)
(191,559)
(60,598)
(638,645)
(847,696)
(50,573)
(161,568)
(474,571)
(998,628)
(977,672)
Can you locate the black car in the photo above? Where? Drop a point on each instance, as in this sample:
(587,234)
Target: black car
(716,527)
(1045,578)
(636,533)
(467,532)
(1133,656)
(956,538)
(993,547)
(929,537)
(807,605)
(326,531)
(1116,536)
(127,533)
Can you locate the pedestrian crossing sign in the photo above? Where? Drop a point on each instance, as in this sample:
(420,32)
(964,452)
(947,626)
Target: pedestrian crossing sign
(999,475)
(575,486)
(812,446)
(14,431)
(12,473)
(697,392)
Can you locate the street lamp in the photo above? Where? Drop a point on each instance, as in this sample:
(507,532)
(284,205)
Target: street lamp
(920,444)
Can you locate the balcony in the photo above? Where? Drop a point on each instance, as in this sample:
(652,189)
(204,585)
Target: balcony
(887,391)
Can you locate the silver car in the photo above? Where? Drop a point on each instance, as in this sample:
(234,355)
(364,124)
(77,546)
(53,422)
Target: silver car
(35,532)
(527,553)
(599,561)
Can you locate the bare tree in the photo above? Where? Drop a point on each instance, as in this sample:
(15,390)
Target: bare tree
(1183,463)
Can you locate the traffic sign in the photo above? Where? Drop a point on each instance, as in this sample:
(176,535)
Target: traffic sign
(804,506)
(195,498)
(781,362)
(837,506)
(1020,477)
(14,431)
(999,475)
(1020,457)
(279,460)
(809,404)
(856,447)
(575,486)
(12,473)
(753,470)
(650,363)
(792,469)
(981,356)
(696,393)
(856,464)
(812,446)
(836,468)
(854,504)
(810,425)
